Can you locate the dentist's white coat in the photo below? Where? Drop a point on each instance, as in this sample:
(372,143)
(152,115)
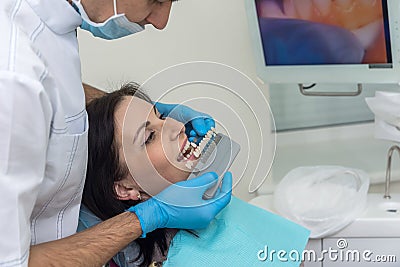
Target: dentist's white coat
(43,127)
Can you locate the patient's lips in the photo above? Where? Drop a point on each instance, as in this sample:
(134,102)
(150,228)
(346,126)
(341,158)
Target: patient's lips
(185,145)
(189,153)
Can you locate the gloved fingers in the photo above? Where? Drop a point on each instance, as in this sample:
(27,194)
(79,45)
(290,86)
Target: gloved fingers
(189,129)
(192,136)
(226,186)
(209,123)
(223,196)
(200,126)
(206,179)
(145,212)
(188,193)
(178,112)
(193,120)
(193,133)
(164,109)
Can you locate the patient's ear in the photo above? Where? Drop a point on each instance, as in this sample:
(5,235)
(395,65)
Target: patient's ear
(126,192)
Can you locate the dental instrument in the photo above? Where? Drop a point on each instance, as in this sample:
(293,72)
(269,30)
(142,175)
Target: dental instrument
(217,152)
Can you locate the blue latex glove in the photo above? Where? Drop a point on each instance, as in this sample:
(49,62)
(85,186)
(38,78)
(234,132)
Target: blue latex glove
(181,205)
(197,123)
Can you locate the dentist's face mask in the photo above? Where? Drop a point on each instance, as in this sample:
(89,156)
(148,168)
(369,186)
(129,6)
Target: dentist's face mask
(115,27)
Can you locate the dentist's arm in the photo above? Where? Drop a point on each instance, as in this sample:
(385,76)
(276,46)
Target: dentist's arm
(97,245)
(92,247)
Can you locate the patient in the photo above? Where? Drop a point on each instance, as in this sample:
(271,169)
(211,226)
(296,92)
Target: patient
(134,153)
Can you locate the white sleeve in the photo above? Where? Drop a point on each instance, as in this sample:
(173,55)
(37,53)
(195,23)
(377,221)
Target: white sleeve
(25,116)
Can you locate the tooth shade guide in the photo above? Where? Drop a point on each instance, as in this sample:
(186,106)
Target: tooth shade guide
(191,149)
(198,150)
(217,157)
(189,165)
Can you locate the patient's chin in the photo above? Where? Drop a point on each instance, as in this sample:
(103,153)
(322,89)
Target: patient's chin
(181,175)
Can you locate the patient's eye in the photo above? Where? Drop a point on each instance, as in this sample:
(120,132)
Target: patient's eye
(159,115)
(150,138)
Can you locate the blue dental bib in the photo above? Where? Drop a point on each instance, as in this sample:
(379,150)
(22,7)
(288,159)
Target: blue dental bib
(241,235)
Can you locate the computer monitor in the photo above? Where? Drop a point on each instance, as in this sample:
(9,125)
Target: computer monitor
(326,41)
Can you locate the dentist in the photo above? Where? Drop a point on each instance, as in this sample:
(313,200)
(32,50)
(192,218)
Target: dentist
(43,135)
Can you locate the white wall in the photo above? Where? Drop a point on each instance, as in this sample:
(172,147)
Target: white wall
(197,30)
(205,30)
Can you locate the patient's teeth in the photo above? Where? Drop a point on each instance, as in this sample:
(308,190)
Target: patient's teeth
(193,145)
(323,6)
(187,144)
(204,141)
(210,135)
(197,152)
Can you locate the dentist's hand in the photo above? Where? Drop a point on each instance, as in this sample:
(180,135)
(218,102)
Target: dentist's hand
(181,205)
(197,123)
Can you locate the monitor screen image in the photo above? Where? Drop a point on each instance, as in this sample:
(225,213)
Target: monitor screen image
(332,33)
(324,32)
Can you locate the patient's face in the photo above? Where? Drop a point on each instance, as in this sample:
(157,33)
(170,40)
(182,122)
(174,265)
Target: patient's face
(150,145)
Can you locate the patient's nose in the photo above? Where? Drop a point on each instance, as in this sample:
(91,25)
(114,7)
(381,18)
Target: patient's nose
(160,14)
(173,128)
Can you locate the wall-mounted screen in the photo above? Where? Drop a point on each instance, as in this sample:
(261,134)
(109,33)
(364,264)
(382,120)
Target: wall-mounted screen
(326,40)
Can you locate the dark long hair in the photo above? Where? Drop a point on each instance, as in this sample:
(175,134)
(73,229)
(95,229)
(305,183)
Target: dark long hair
(104,167)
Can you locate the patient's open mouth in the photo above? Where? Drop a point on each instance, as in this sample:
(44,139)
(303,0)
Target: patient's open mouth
(190,151)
